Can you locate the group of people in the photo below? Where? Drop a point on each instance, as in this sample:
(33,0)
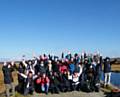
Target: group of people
(54,74)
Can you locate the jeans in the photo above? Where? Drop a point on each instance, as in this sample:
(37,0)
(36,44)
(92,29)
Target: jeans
(45,88)
(107,78)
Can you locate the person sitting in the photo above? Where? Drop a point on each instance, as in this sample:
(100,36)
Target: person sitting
(54,82)
(44,83)
(66,84)
(75,81)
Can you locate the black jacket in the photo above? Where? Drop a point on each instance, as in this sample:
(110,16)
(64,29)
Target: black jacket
(7,72)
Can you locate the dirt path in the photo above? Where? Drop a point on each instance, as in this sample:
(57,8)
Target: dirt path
(72,94)
(68,94)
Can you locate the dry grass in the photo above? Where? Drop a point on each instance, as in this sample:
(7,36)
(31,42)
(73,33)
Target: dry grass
(2,87)
(116,67)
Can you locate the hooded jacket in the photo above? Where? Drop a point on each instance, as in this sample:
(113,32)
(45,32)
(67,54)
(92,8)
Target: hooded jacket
(7,72)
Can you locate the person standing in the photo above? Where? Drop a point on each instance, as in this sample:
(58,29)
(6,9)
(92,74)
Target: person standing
(21,80)
(107,71)
(8,78)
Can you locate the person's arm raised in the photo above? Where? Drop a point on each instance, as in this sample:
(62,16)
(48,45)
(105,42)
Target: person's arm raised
(23,75)
(24,63)
(35,63)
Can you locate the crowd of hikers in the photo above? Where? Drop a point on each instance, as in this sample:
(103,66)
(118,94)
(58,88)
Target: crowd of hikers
(54,74)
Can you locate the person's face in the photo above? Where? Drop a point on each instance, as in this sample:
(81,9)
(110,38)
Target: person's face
(30,63)
(42,63)
(9,66)
(44,75)
(12,63)
(58,62)
(86,62)
(30,75)
(65,72)
(62,61)
(72,59)
(55,74)
(5,63)
(75,74)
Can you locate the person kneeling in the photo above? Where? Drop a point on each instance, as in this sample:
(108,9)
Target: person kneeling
(29,82)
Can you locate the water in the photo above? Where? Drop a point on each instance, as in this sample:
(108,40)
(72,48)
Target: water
(115,79)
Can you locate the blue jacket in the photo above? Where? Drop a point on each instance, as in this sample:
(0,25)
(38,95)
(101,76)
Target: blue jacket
(71,68)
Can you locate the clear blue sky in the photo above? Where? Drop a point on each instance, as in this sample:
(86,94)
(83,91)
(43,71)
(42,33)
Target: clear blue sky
(40,26)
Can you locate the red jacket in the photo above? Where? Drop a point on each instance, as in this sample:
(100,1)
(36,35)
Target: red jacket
(63,68)
(43,81)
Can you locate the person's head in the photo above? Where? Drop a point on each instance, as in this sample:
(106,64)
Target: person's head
(75,73)
(12,63)
(62,61)
(42,63)
(30,74)
(65,72)
(107,60)
(69,52)
(55,73)
(44,75)
(58,63)
(29,62)
(5,63)
(76,55)
(9,65)
(86,61)
(72,60)
(42,57)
